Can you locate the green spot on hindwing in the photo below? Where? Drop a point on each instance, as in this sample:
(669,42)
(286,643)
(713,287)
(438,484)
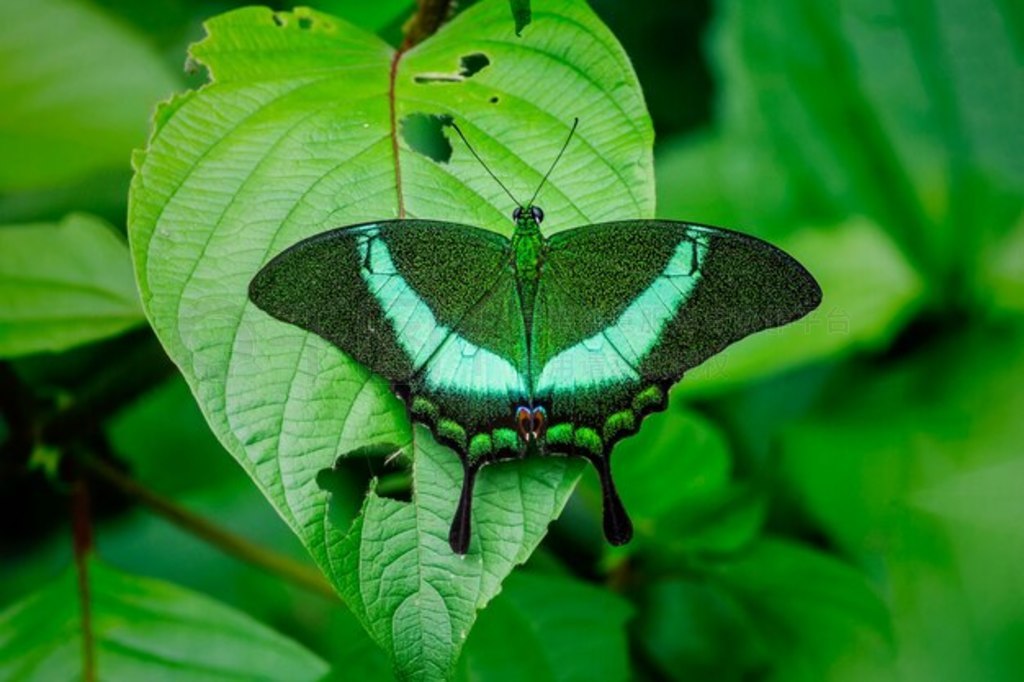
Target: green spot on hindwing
(453,432)
(559,434)
(618,424)
(586,439)
(480,446)
(651,398)
(505,440)
(424,410)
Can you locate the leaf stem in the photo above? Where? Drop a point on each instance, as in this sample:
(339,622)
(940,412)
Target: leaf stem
(426,21)
(284,567)
(81,525)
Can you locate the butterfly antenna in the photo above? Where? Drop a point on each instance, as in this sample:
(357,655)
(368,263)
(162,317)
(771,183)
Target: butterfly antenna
(575,122)
(477,156)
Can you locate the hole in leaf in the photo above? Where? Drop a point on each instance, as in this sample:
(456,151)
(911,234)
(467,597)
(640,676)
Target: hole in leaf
(278,21)
(423,133)
(395,486)
(494,100)
(346,493)
(305,23)
(469,66)
(348,480)
(438,78)
(472,64)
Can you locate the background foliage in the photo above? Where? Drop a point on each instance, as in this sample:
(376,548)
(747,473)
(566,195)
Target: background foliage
(836,500)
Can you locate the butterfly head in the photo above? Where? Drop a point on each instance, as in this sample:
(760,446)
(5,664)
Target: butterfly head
(531,215)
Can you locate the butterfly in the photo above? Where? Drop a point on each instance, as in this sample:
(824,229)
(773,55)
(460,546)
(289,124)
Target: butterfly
(534,344)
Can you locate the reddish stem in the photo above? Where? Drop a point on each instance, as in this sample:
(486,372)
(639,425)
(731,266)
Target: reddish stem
(81,526)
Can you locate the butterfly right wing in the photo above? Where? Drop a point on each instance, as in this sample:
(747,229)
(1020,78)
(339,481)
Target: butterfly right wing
(624,309)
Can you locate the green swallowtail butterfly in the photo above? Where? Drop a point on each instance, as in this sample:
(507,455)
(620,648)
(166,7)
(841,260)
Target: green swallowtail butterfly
(510,347)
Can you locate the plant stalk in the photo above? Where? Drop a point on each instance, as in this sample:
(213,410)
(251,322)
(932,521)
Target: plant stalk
(427,20)
(293,571)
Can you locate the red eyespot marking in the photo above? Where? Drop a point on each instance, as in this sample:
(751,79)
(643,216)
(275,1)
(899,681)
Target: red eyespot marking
(524,422)
(539,422)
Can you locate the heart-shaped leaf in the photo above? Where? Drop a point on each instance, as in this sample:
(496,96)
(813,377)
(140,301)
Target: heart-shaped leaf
(301,130)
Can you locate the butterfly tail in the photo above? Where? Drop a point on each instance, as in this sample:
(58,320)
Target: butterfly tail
(460,532)
(618,529)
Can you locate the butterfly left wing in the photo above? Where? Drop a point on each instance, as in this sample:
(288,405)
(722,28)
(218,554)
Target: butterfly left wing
(624,309)
(433,308)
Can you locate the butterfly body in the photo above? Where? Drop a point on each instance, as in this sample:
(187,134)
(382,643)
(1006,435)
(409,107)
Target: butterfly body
(534,344)
(528,246)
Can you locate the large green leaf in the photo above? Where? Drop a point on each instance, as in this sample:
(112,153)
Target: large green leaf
(63,285)
(77,89)
(301,130)
(142,629)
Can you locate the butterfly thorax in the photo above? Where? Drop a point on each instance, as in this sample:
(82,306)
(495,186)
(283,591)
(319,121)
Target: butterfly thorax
(528,246)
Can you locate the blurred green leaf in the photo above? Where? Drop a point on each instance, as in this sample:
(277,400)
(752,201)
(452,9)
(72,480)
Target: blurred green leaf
(143,629)
(907,430)
(165,440)
(103,194)
(869,294)
(777,611)
(294,136)
(720,178)
(904,114)
(545,627)
(810,610)
(62,285)
(697,630)
(915,473)
(77,90)
(144,543)
(373,16)
(987,497)
(1003,277)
